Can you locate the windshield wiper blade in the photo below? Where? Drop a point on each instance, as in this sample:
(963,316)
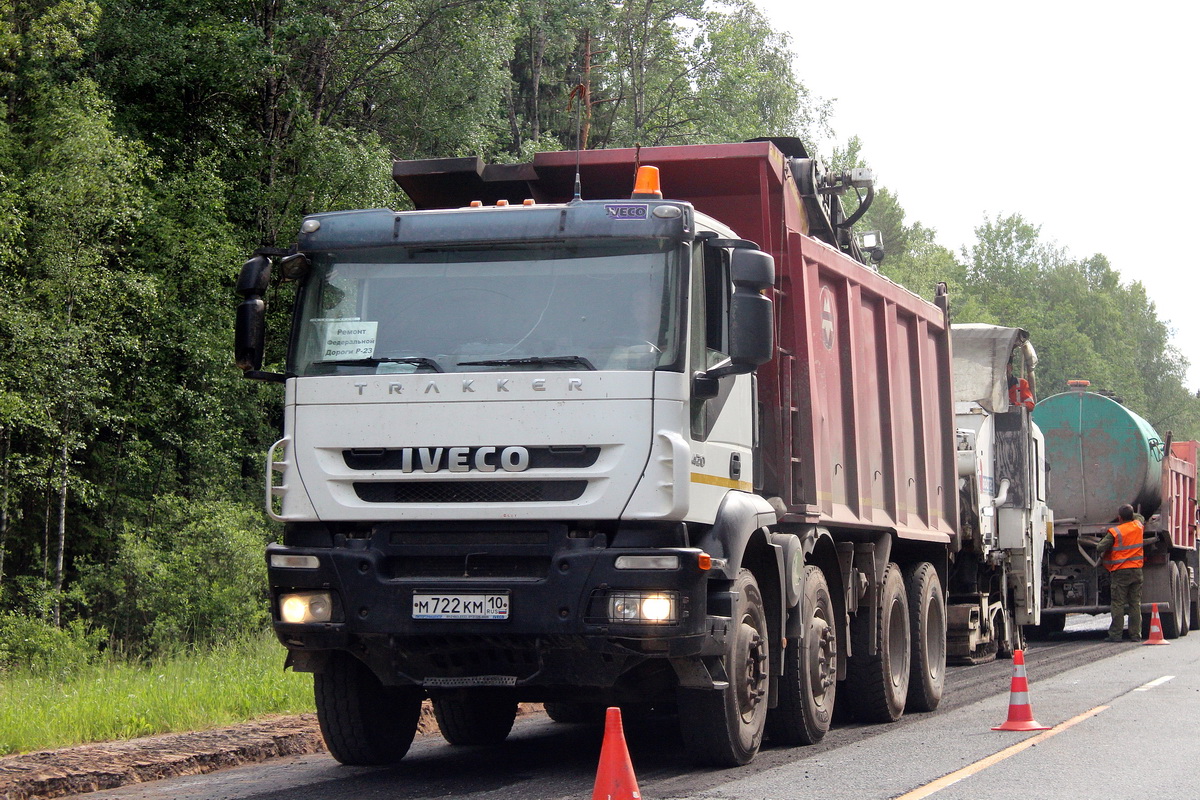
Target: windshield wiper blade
(374,362)
(532,360)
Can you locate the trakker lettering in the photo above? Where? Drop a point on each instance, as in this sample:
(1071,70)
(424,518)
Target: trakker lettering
(464,459)
(470,386)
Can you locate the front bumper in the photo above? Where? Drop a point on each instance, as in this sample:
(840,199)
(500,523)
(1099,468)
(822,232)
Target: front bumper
(557,632)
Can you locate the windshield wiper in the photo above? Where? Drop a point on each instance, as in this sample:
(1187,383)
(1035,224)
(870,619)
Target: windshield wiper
(374,362)
(532,360)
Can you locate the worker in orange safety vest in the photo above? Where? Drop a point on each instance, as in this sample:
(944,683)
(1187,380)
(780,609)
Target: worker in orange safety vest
(1019,393)
(1121,549)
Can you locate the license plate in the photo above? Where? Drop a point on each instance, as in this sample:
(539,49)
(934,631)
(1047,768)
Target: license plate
(459,605)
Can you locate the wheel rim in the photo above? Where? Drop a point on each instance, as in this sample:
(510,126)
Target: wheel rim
(935,642)
(752,683)
(897,644)
(821,656)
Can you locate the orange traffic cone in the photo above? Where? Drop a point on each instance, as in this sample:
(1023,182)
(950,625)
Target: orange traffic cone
(1020,713)
(614,778)
(1156,636)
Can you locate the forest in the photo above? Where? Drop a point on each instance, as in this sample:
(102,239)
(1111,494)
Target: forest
(146,149)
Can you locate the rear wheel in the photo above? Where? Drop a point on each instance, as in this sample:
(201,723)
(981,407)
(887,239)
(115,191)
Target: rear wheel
(364,722)
(927,622)
(1170,619)
(1193,603)
(475,716)
(877,684)
(806,694)
(1185,598)
(724,727)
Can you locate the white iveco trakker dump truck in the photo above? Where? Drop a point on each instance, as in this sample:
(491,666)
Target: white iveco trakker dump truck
(547,440)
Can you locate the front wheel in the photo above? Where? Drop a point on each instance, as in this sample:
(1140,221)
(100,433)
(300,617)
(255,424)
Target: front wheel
(809,685)
(724,727)
(877,683)
(364,722)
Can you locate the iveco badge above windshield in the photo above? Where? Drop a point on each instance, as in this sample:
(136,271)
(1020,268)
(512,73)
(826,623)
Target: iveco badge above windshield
(637,211)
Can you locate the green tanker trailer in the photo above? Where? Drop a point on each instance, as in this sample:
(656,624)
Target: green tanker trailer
(1101,456)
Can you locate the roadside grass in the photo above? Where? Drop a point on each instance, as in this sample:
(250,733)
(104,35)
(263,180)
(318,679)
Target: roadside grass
(118,699)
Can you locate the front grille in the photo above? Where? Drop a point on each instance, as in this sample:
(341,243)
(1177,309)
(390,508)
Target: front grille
(554,457)
(475,565)
(470,491)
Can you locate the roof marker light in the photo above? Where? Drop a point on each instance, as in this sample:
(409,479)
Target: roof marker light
(647,186)
(476,204)
(528,201)
(501,203)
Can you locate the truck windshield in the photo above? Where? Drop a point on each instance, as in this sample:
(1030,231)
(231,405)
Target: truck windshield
(557,306)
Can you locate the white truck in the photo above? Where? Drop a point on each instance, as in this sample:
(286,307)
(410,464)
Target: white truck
(548,441)
(1006,522)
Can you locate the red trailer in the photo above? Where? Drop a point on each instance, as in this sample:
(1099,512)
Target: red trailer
(597,447)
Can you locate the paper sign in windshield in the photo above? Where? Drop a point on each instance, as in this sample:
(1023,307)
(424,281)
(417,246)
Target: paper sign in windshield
(345,339)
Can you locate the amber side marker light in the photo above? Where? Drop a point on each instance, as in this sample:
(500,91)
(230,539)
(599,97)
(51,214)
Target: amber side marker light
(647,186)
(704,561)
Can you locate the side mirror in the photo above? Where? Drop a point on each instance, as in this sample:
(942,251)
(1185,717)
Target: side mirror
(254,277)
(751,314)
(753,269)
(250,334)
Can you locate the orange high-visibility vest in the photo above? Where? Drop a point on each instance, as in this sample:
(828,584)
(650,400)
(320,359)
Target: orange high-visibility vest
(1019,394)
(1126,551)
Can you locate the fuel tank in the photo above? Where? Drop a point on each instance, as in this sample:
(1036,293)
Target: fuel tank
(1101,456)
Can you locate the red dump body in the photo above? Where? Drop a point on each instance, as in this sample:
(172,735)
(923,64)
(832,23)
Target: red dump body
(1179,494)
(857,409)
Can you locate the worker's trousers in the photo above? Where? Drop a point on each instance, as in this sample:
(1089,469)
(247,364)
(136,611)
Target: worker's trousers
(1125,586)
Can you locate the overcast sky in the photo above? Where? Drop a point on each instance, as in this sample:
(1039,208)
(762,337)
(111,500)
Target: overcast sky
(1080,116)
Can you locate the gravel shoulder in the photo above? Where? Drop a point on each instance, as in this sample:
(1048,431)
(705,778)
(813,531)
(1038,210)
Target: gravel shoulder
(108,765)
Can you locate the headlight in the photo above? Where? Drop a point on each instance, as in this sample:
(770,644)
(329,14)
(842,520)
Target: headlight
(303,607)
(644,607)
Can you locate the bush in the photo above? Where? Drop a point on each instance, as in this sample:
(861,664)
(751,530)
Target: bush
(35,645)
(195,576)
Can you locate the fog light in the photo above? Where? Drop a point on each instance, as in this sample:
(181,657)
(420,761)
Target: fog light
(642,607)
(305,607)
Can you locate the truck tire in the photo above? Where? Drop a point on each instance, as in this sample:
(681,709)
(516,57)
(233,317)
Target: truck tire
(364,722)
(1193,603)
(474,716)
(927,624)
(724,727)
(575,713)
(809,684)
(1185,598)
(1170,619)
(877,684)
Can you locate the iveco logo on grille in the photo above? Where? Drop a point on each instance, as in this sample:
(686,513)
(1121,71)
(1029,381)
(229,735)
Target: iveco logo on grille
(464,459)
